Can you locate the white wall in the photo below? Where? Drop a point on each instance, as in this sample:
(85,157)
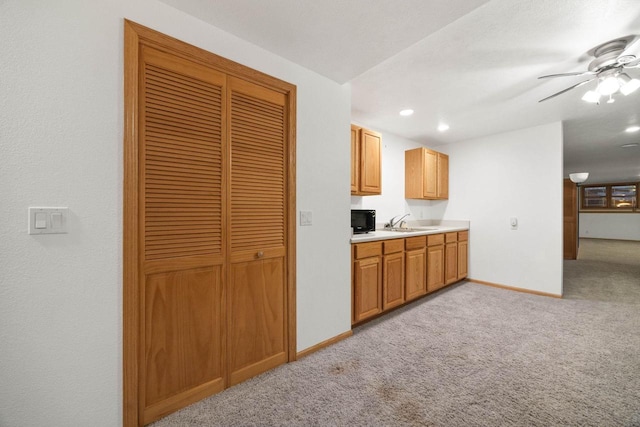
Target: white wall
(392,201)
(515,174)
(61,121)
(619,226)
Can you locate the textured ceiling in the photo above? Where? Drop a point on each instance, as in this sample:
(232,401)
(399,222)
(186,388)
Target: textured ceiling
(473,64)
(339,39)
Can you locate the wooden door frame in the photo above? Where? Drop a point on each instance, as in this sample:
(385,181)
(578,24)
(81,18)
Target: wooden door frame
(135,36)
(570,193)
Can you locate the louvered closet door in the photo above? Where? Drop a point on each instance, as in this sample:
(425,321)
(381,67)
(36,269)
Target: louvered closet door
(181,211)
(257,339)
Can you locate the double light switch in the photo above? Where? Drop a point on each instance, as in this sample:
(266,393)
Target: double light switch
(48,220)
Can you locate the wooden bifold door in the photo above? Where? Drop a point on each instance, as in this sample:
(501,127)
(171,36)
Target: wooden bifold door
(209,243)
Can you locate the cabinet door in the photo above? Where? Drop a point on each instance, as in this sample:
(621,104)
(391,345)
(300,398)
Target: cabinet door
(256,298)
(355,160)
(430,175)
(435,267)
(463,250)
(393,281)
(416,273)
(451,262)
(367,288)
(370,162)
(443,176)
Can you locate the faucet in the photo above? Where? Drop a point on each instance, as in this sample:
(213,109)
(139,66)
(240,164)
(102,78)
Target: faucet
(393,223)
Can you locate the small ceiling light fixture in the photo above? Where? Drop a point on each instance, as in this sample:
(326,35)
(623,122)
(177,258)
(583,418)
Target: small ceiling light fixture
(579,177)
(406,112)
(443,127)
(632,129)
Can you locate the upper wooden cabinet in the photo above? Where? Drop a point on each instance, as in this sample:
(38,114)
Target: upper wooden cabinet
(366,159)
(426,174)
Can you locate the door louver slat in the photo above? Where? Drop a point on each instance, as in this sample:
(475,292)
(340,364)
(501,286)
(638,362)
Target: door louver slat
(183,156)
(258,181)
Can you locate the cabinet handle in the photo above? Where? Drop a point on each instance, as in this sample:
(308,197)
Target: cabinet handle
(260,254)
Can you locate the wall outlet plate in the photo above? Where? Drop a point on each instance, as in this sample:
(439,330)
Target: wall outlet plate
(306,218)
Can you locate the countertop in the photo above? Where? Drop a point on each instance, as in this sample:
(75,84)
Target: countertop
(424,227)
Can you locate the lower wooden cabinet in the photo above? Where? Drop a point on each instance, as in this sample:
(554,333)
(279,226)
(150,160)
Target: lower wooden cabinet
(392,273)
(435,262)
(389,273)
(451,258)
(367,280)
(415,259)
(463,254)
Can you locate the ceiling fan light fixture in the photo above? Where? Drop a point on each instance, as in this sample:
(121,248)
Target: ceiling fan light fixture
(627,84)
(632,129)
(591,96)
(608,86)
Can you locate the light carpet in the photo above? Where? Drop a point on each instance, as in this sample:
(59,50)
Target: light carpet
(469,355)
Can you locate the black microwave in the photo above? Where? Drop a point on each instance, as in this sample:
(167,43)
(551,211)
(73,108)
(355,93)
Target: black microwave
(363,220)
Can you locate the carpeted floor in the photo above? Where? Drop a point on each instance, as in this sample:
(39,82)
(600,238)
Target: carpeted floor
(606,270)
(470,355)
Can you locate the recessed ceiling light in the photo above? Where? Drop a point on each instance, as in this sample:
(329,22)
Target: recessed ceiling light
(406,112)
(631,129)
(443,127)
(633,144)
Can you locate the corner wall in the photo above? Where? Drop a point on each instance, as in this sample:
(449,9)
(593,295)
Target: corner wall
(61,133)
(515,174)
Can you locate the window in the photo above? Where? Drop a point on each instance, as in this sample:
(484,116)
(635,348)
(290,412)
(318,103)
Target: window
(610,197)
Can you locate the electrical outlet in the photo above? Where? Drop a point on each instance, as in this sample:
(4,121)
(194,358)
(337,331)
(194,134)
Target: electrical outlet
(514,223)
(306,218)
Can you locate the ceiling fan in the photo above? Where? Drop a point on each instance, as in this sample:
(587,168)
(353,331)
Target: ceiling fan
(611,60)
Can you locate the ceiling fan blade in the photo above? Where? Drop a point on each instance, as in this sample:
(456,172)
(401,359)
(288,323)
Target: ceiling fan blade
(568,89)
(632,49)
(577,73)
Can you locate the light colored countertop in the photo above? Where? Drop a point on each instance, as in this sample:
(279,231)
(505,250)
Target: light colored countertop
(421,227)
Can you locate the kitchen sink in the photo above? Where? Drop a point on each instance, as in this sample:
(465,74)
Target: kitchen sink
(407,229)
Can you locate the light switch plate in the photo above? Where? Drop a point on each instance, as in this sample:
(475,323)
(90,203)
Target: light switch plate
(48,220)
